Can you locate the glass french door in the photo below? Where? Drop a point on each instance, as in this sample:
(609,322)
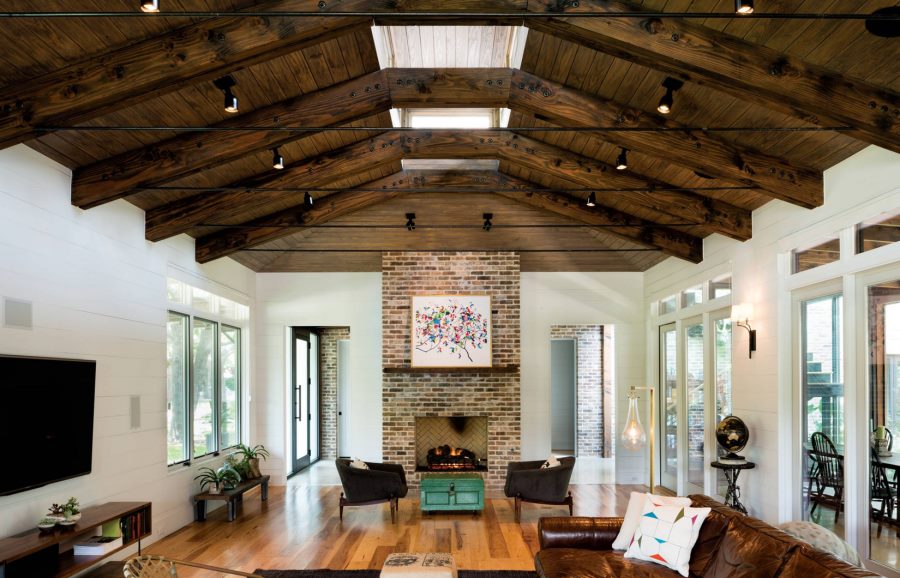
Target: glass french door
(693,337)
(304,398)
(883,328)
(822,410)
(668,407)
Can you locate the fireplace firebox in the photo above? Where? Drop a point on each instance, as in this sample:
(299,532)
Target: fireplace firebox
(457,443)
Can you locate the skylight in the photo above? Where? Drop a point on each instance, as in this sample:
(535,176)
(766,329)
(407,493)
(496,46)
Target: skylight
(450,118)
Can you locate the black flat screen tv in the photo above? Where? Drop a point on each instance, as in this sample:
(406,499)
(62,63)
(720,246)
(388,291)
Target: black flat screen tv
(46,420)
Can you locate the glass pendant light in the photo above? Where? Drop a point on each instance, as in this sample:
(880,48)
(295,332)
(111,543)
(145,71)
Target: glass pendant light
(634,437)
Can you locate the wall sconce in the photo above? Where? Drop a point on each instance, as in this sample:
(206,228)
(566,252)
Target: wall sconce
(633,435)
(742,314)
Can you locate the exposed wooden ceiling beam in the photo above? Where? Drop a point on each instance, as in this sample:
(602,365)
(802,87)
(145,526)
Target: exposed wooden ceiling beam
(191,152)
(179,216)
(376,92)
(714,215)
(750,72)
(165,63)
(718,216)
(697,150)
(670,241)
(284,222)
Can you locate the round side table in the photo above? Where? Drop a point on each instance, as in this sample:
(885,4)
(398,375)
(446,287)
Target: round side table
(733,493)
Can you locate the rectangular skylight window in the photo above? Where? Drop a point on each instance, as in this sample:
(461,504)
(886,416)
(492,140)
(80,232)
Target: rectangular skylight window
(451,118)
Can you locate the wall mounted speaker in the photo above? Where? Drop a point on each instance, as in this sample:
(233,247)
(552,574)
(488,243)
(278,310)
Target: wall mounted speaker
(17,313)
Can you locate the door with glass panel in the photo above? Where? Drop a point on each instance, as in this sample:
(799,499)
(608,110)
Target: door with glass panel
(301,383)
(722,386)
(668,407)
(693,338)
(822,411)
(883,327)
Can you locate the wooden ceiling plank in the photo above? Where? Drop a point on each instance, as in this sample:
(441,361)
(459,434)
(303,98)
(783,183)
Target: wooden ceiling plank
(670,241)
(182,155)
(719,216)
(729,64)
(179,216)
(696,150)
(160,64)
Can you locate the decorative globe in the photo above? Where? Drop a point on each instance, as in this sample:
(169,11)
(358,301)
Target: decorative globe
(733,435)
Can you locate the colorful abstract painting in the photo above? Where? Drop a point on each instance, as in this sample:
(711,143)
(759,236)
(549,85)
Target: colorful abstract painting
(451,331)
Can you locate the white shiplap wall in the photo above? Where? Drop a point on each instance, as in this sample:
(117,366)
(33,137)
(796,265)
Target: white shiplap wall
(98,290)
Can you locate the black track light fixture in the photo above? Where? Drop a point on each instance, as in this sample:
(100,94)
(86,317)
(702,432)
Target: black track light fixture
(308,201)
(743,6)
(668,99)
(225,84)
(410,221)
(149,5)
(487,221)
(277,160)
(622,159)
(592,199)
(885,24)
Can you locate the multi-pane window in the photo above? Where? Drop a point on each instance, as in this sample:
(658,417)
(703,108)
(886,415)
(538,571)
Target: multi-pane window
(204,385)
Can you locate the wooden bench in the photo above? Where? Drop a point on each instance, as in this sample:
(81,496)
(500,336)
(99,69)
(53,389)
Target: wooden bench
(231,496)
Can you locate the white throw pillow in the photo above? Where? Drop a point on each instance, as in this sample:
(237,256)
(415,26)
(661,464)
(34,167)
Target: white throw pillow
(551,462)
(666,534)
(359,464)
(633,516)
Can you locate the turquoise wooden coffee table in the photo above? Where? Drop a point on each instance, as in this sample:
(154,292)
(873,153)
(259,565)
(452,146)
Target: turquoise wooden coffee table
(450,492)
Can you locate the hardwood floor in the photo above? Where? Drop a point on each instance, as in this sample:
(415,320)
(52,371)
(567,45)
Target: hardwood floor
(299,528)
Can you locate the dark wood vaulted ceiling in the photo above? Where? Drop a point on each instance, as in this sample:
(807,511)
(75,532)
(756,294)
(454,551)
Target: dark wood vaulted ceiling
(682,183)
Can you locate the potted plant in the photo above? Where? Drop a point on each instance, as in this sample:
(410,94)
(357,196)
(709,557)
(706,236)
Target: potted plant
(56,512)
(214,481)
(72,510)
(240,465)
(252,456)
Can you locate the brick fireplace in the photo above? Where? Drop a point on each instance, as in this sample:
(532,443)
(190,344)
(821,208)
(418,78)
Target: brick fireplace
(458,432)
(493,394)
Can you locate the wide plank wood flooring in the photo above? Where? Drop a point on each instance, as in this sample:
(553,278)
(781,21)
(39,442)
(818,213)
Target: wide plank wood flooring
(299,528)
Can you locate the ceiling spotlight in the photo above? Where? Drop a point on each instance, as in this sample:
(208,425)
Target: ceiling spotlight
(410,221)
(487,221)
(277,160)
(668,99)
(149,5)
(225,84)
(307,200)
(592,199)
(743,6)
(884,22)
(622,160)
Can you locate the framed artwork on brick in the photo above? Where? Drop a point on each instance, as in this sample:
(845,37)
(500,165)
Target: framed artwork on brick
(451,331)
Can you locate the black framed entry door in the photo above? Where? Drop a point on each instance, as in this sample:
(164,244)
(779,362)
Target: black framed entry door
(304,398)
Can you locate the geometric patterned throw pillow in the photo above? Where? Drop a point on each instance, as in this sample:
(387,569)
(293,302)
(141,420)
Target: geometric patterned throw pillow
(666,534)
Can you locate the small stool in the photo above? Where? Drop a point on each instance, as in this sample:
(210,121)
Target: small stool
(421,565)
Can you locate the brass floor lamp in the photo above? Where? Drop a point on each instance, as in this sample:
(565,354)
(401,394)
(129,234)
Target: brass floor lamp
(634,437)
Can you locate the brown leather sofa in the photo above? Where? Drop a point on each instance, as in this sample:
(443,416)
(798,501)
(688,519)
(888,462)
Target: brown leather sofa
(730,545)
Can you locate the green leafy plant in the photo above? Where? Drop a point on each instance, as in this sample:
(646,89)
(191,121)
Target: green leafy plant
(47,522)
(210,477)
(72,507)
(239,463)
(255,452)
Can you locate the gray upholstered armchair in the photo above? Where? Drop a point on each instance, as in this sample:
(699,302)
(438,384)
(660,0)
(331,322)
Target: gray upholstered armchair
(527,482)
(380,483)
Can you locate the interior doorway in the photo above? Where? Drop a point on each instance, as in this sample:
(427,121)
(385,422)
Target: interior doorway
(582,393)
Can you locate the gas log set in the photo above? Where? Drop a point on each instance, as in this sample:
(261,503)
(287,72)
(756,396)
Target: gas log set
(444,458)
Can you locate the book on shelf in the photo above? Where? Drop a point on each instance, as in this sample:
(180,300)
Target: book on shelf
(97,545)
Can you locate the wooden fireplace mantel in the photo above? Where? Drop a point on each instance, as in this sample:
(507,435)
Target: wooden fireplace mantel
(494,369)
